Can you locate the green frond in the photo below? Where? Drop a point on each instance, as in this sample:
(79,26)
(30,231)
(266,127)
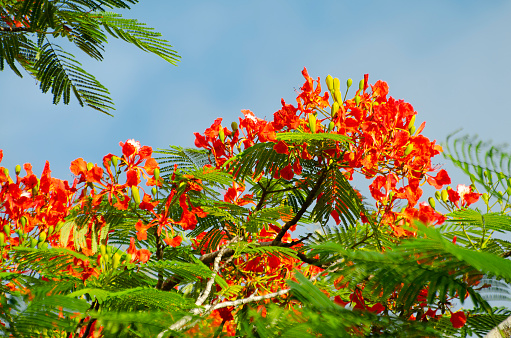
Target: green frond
(146,299)
(59,71)
(486,164)
(298,137)
(132,31)
(185,158)
(339,196)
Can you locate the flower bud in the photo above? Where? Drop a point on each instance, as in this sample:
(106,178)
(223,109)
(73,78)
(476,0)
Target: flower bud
(43,245)
(102,249)
(508,190)
(154,191)
(412,122)
(357,100)
(329,82)
(508,182)
(221,134)
(349,82)
(116,260)
(337,84)
(445,195)
(312,123)
(331,126)
(408,149)
(412,130)
(361,85)
(115,159)
(156,174)
(2,239)
(438,195)
(51,229)
(234,126)
(135,194)
(335,108)
(432,202)
(17,169)
(485,197)
(6,172)
(129,257)
(338,97)
(90,165)
(23,221)
(42,237)
(33,242)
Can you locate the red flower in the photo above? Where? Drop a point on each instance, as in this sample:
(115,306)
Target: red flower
(174,242)
(281,148)
(441,179)
(287,172)
(458,319)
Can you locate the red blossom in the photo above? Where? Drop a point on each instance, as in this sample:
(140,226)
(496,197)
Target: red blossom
(458,319)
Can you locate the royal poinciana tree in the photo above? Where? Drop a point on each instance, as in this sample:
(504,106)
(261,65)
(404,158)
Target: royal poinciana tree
(215,241)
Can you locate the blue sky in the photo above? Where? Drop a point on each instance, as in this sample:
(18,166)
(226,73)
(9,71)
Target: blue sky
(449,59)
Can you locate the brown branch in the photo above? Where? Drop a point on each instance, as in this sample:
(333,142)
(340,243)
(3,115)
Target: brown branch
(15,29)
(308,201)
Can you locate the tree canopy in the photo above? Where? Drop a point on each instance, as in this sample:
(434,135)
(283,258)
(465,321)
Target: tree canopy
(214,241)
(31,34)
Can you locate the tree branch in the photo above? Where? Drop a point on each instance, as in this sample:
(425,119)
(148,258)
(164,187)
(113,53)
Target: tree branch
(308,201)
(14,29)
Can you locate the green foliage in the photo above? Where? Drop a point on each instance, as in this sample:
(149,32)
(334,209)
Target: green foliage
(30,31)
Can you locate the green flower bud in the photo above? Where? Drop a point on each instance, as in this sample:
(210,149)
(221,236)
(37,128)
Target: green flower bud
(129,257)
(108,250)
(156,174)
(17,169)
(508,182)
(234,126)
(6,172)
(361,85)
(154,191)
(408,149)
(23,221)
(116,260)
(335,108)
(312,123)
(432,202)
(349,83)
(338,97)
(357,100)
(135,194)
(102,249)
(329,82)
(438,195)
(412,130)
(43,245)
(445,195)
(485,197)
(337,84)
(51,229)
(2,239)
(221,134)
(331,126)
(42,237)
(7,229)
(33,242)
(115,160)
(508,191)
(90,165)
(412,122)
